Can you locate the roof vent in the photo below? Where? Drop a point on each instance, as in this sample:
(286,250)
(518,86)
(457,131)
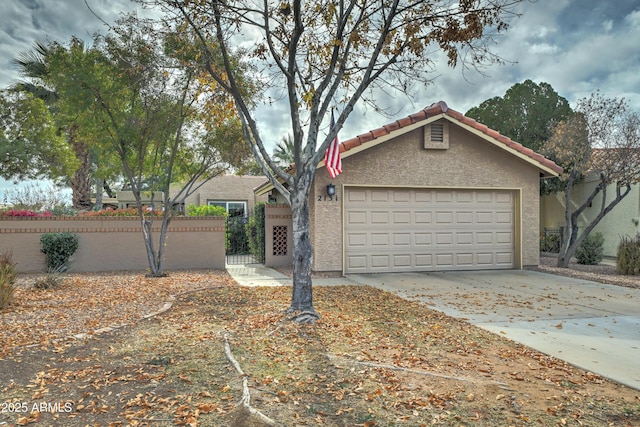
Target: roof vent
(436,136)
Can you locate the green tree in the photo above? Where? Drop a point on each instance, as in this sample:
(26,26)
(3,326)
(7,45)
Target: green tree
(602,140)
(527,114)
(34,67)
(318,54)
(138,99)
(283,153)
(30,146)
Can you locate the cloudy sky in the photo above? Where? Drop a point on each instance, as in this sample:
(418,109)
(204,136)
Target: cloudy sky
(577,46)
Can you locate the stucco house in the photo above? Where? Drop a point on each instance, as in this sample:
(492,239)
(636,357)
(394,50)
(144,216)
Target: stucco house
(433,191)
(235,193)
(623,220)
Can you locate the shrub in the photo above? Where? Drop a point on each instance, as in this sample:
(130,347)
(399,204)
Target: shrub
(51,280)
(26,212)
(206,210)
(7,279)
(550,243)
(628,256)
(129,212)
(58,249)
(255,232)
(590,251)
(236,236)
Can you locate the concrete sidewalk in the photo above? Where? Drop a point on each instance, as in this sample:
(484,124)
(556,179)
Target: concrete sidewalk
(591,325)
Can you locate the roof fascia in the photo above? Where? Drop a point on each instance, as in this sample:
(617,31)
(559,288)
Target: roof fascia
(387,137)
(548,171)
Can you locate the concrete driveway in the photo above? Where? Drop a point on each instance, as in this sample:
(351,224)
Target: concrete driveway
(590,325)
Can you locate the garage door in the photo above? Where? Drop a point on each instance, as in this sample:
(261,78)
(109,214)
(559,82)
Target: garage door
(394,230)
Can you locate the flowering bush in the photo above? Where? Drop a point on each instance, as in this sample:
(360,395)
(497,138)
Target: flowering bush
(26,212)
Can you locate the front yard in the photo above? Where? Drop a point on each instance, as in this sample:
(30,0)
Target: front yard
(372,360)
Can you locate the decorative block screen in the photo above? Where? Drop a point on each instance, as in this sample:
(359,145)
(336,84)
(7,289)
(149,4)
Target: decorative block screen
(280,240)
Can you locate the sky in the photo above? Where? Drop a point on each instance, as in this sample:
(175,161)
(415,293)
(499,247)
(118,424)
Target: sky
(577,46)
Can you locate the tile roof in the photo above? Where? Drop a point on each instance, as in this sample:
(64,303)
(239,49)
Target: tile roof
(455,116)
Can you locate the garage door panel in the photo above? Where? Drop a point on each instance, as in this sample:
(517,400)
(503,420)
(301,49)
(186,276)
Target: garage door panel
(464,259)
(402,218)
(402,239)
(402,260)
(380,261)
(464,238)
(423,217)
(356,240)
(380,239)
(378,196)
(357,217)
(422,239)
(428,229)
(400,196)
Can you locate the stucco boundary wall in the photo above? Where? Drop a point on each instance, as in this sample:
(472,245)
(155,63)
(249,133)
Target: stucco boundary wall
(278,235)
(116,243)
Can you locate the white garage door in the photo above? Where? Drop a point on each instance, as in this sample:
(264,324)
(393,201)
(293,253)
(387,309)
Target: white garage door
(393,230)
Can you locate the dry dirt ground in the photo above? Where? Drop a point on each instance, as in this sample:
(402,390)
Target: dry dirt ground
(373,359)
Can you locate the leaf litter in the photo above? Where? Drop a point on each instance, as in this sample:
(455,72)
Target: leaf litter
(373,359)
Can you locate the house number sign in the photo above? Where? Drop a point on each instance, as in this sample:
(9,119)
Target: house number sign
(326,198)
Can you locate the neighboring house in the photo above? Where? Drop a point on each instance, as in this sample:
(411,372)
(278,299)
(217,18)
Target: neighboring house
(234,193)
(430,192)
(622,221)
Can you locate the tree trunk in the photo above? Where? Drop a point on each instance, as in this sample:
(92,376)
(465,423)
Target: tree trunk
(81,180)
(99,189)
(572,239)
(302,298)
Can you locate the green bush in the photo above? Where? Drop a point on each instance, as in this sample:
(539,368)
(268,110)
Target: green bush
(58,249)
(550,243)
(255,232)
(237,242)
(206,210)
(590,251)
(7,279)
(628,256)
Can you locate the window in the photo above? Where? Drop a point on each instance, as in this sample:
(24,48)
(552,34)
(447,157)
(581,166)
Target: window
(233,208)
(436,136)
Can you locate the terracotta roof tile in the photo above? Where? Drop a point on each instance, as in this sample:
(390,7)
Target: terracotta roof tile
(442,108)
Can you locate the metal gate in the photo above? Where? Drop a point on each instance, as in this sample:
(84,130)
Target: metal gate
(239,249)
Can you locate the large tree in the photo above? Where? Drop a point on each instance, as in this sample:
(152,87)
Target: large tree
(314,55)
(527,114)
(34,68)
(30,145)
(601,140)
(163,121)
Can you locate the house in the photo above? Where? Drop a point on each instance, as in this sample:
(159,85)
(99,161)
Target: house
(622,221)
(433,191)
(234,193)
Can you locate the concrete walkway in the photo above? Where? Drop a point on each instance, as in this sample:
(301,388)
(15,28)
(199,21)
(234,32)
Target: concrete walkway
(590,325)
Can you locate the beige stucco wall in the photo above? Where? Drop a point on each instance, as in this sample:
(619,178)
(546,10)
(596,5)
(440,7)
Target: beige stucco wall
(116,244)
(229,188)
(470,162)
(619,222)
(278,215)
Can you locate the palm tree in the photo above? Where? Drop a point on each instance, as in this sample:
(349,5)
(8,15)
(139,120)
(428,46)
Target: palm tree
(283,153)
(34,66)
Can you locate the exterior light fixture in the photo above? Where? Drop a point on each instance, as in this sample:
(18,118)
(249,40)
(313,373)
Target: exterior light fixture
(331,190)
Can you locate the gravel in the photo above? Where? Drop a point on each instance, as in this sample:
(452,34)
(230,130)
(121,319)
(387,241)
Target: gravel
(604,272)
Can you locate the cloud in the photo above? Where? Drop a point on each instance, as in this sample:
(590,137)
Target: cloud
(577,46)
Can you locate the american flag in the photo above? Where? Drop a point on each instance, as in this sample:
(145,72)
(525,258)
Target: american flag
(332,157)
